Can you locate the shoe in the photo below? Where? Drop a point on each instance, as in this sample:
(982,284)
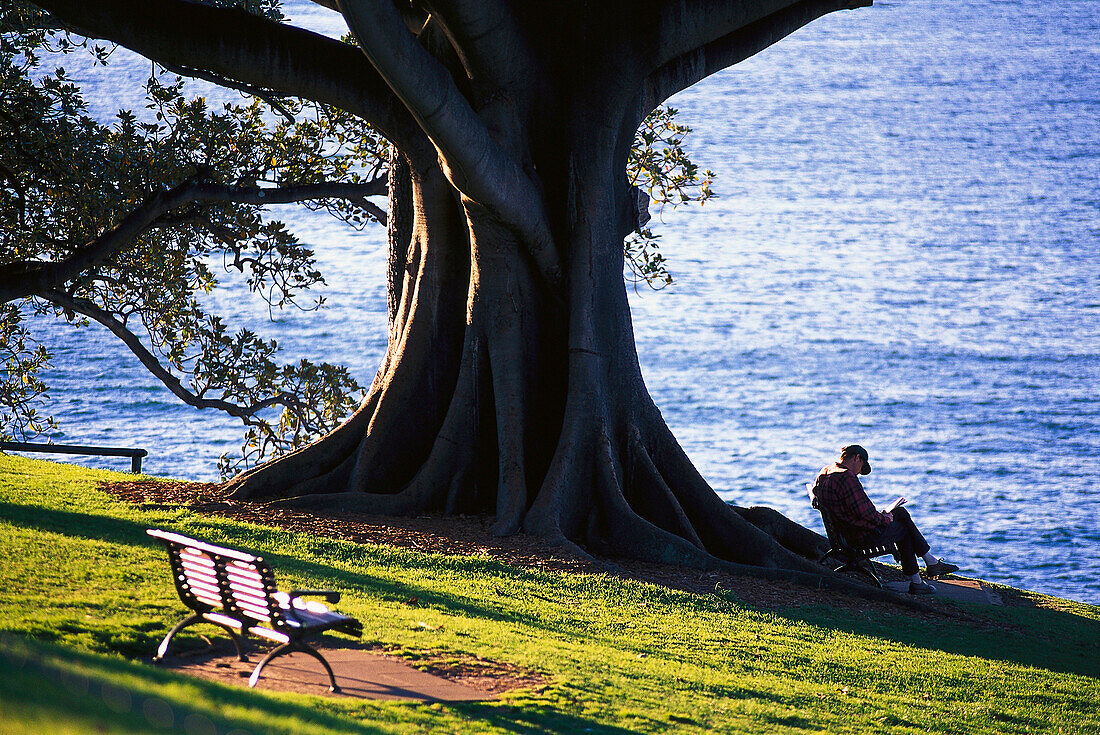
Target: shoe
(939,569)
(921,588)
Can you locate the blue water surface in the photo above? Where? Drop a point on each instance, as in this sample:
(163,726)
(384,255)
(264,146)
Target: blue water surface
(904,254)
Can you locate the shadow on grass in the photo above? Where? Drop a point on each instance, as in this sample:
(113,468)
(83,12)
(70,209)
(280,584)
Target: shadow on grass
(106,528)
(536,719)
(1049,639)
(1042,638)
(79,525)
(85,689)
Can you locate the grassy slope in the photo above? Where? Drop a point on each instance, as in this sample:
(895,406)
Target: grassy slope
(83,593)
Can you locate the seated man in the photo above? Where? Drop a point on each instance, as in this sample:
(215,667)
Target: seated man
(839,490)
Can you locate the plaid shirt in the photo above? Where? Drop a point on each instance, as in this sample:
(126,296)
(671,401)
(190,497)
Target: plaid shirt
(839,490)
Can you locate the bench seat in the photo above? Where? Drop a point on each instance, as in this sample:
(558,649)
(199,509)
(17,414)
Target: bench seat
(853,557)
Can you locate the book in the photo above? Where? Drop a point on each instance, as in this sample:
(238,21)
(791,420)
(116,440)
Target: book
(894,505)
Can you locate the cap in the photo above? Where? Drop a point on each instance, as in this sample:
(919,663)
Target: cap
(851,449)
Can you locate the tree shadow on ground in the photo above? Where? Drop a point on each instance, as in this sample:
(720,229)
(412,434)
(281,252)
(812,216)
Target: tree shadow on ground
(106,528)
(538,719)
(1044,638)
(1050,639)
(84,687)
(91,526)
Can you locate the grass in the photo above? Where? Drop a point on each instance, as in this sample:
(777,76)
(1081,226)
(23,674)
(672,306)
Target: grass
(85,595)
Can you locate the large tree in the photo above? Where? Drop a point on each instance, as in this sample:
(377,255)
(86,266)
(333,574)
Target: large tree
(511,384)
(120,217)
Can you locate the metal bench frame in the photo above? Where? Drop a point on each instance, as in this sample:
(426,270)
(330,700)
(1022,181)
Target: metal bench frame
(853,557)
(236,591)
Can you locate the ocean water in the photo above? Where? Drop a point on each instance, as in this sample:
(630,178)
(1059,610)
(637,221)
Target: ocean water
(905,253)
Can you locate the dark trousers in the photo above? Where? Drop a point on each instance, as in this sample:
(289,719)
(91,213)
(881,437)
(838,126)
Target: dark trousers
(903,532)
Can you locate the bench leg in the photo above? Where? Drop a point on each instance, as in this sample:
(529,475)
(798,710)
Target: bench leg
(237,642)
(847,566)
(825,556)
(292,647)
(863,566)
(191,620)
(163,648)
(306,648)
(869,569)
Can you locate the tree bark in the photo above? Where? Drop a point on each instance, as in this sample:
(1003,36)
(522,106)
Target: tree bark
(495,397)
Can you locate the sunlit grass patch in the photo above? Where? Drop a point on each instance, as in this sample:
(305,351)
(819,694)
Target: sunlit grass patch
(83,589)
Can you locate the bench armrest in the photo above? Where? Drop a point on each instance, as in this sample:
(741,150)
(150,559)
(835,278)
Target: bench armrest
(330,596)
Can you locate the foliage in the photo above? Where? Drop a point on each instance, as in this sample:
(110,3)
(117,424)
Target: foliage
(68,182)
(84,590)
(659,166)
(22,390)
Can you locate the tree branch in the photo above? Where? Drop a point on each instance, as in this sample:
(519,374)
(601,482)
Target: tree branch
(377,212)
(153,365)
(721,53)
(683,26)
(474,163)
(288,194)
(248,49)
(22,279)
(330,4)
(27,278)
(736,45)
(266,96)
(492,47)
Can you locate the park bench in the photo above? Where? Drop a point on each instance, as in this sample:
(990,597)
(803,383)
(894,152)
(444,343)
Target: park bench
(236,592)
(852,557)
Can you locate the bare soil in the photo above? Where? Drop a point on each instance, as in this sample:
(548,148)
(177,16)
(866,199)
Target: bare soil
(360,673)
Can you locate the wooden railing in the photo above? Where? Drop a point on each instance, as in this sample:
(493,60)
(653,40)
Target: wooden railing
(135,455)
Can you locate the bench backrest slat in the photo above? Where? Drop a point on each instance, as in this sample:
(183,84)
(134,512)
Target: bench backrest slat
(188,542)
(215,578)
(196,578)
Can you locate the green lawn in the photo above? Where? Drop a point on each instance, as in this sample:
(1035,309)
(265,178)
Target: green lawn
(85,595)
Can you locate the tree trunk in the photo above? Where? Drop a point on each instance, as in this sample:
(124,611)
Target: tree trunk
(496,397)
